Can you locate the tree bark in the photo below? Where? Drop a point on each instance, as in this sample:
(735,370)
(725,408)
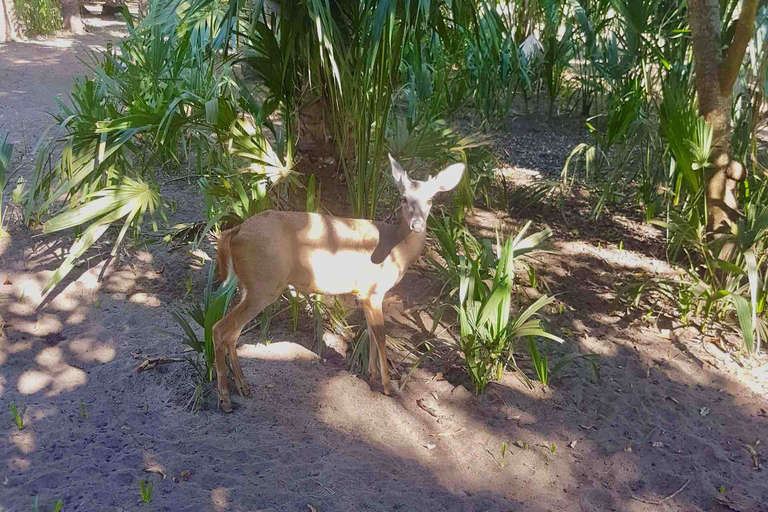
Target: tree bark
(9,27)
(715,76)
(70,12)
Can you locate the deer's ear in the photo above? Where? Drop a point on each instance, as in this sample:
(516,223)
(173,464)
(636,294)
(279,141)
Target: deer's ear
(449,177)
(401,177)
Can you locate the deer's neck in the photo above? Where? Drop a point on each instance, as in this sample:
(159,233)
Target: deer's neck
(410,243)
(398,245)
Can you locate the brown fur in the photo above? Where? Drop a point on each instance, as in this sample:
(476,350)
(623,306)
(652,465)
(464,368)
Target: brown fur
(325,255)
(223,251)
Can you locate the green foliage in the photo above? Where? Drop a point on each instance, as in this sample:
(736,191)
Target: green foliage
(36,504)
(723,286)
(543,371)
(6,150)
(163,101)
(212,309)
(17,418)
(146,487)
(539,363)
(488,329)
(39,17)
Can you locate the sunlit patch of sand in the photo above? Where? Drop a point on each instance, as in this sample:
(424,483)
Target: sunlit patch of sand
(88,350)
(279,351)
(24,441)
(220,498)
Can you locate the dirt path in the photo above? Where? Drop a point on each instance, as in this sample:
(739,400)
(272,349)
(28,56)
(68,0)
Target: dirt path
(671,413)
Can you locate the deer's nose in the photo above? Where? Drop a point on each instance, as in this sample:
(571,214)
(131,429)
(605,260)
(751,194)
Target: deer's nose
(417,226)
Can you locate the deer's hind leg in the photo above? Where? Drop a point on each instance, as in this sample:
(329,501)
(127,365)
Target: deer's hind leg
(225,335)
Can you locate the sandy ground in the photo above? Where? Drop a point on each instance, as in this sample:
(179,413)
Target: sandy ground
(671,413)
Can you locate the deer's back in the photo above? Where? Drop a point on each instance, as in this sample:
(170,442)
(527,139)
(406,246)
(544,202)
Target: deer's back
(316,253)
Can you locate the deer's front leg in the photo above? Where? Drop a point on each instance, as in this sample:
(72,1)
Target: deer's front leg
(374,316)
(373,365)
(220,352)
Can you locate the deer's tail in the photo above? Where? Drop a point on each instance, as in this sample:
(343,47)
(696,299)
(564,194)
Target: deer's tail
(224,255)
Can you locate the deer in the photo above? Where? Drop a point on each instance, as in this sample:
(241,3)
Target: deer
(322,254)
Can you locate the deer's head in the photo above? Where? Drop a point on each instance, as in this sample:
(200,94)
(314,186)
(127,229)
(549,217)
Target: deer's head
(416,196)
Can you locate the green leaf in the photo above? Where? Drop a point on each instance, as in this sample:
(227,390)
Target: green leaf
(744,314)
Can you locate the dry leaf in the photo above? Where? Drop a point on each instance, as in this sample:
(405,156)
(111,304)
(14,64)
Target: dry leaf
(704,410)
(427,408)
(8,281)
(435,396)
(271,386)
(628,449)
(657,444)
(587,427)
(753,453)
(311,508)
(155,469)
(184,475)
(430,446)
(572,444)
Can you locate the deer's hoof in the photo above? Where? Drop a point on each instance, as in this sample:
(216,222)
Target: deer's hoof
(226,405)
(242,388)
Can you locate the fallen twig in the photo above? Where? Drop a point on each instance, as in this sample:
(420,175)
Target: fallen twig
(151,362)
(753,453)
(447,434)
(659,502)
(324,487)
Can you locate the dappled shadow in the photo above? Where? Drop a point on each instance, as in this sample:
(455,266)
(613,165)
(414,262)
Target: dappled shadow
(312,434)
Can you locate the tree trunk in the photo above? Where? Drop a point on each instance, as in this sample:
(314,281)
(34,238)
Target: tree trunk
(70,12)
(143,9)
(715,76)
(9,27)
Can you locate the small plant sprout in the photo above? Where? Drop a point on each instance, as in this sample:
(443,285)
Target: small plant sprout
(36,505)
(16,416)
(621,245)
(543,371)
(146,490)
(83,414)
(532,277)
(539,363)
(503,453)
(188,286)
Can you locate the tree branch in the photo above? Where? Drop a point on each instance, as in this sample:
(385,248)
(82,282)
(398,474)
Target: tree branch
(734,55)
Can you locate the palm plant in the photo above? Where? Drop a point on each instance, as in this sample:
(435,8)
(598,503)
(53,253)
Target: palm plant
(488,329)
(148,106)
(212,309)
(6,150)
